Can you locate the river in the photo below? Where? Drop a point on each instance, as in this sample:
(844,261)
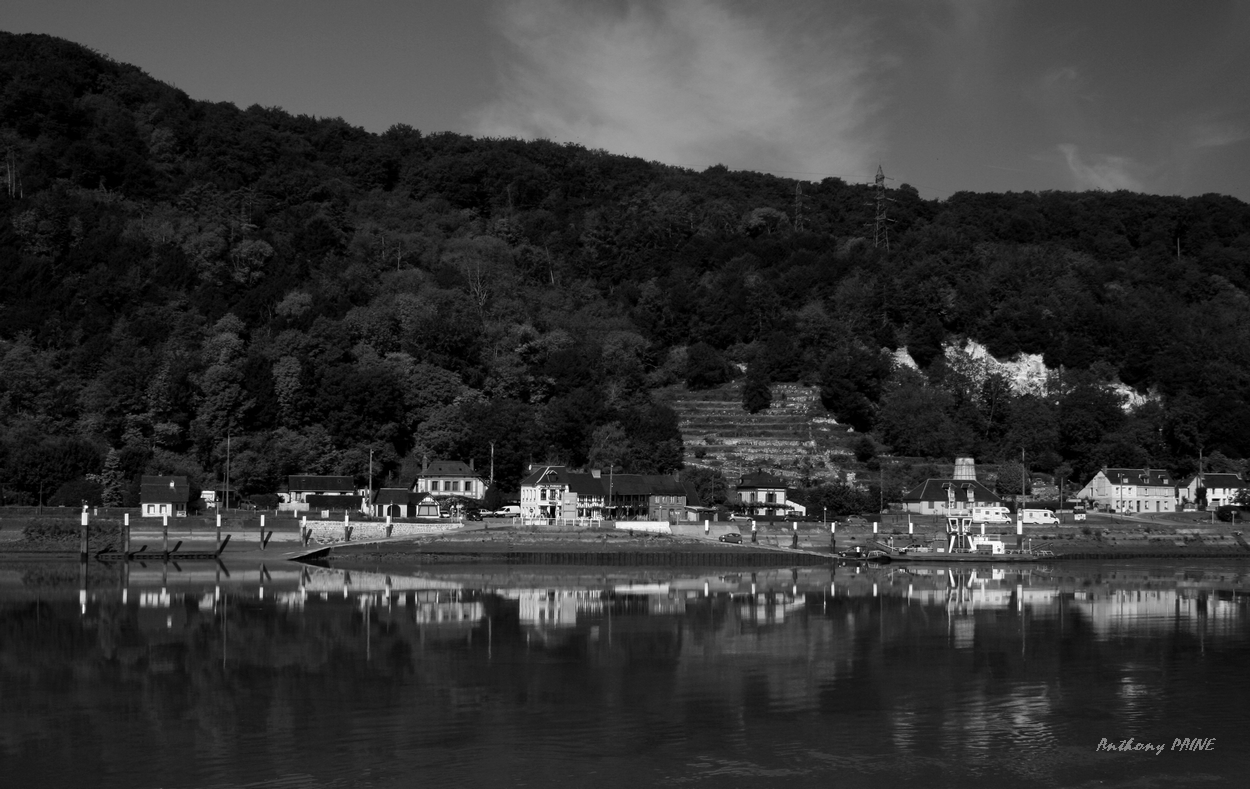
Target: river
(1074,674)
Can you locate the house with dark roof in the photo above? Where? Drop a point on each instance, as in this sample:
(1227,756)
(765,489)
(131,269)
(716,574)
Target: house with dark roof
(1217,488)
(317,492)
(1131,490)
(555,493)
(444,478)
(160,496)
(949,496)
(762,495)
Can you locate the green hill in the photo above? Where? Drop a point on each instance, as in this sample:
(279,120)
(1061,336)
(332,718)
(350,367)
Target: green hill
(179,276)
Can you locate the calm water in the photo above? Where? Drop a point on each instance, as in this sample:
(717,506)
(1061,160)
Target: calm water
(406,676)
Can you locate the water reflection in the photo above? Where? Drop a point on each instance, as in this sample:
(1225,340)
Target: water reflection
(203,675)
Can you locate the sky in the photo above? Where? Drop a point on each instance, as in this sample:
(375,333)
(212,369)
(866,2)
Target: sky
(944,95)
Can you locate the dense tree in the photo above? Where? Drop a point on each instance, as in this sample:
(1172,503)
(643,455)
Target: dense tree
(173,272)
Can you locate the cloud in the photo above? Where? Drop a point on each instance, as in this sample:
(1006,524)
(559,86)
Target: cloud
(691,83)
(1105,172)
(1216,134)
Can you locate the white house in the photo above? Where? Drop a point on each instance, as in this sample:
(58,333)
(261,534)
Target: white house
(1131,490)
(443,478)
(1220,489)
(164,496)
(762,494)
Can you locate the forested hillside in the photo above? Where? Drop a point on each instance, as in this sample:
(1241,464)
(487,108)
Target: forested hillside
(176,272)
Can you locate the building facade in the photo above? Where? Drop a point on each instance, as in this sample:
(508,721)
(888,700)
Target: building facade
(1217,489)
(444,478)
(949,497)
(1131,490)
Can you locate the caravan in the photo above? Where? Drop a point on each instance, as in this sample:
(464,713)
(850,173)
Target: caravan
(991,515)
(1040,517)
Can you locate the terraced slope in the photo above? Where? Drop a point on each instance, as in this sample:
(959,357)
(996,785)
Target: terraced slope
(795,438)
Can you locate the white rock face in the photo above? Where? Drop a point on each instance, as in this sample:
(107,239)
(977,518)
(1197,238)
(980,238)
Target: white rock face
(1026,372)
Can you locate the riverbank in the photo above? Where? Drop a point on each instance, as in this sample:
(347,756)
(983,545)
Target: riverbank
(57,537)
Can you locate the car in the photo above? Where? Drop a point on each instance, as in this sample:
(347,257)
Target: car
(732,536)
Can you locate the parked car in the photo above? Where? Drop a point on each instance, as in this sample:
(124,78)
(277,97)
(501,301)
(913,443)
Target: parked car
(732,536)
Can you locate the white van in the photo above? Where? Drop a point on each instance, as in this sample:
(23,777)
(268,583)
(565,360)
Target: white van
(991,515)
(1040,517)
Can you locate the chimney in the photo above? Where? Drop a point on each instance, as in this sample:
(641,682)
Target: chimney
(425,463)
(470,464)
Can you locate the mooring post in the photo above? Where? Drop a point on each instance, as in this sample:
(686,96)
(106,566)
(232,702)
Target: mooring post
(165,534)
(1019,533)
(707,527)
(219,532)
(911,527)
(82,584)
(82,536)
(347,529)
(833,536)
(874,527)
(753,537)
(388,525)
(263,541)
(303,530)
(795,542)
(126,535)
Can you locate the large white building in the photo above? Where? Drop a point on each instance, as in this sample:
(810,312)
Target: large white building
(1131,490)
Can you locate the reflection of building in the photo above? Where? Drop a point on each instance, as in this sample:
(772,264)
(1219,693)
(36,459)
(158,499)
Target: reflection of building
(1131,490)
(554,607)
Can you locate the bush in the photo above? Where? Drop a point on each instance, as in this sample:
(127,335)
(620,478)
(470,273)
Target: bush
(264,501)
(77,492)
(1226,512)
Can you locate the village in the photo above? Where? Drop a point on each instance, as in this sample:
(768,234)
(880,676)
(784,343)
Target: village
(555,496)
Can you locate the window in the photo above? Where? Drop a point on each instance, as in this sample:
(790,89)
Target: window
(455,486)
(434,485)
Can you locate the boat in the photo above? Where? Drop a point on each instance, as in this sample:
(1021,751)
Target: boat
(962,545)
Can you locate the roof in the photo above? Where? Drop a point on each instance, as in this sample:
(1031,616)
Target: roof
(1217,480)
(759,479)
(663,485)
(1139,476)
(396,496)
(586,484)
(164,490)
(553,473)
(692,494)
(447,468)
(935,490)
(319,483)
(578,482)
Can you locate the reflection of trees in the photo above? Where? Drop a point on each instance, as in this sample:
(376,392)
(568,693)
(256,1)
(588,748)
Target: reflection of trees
(338,682)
